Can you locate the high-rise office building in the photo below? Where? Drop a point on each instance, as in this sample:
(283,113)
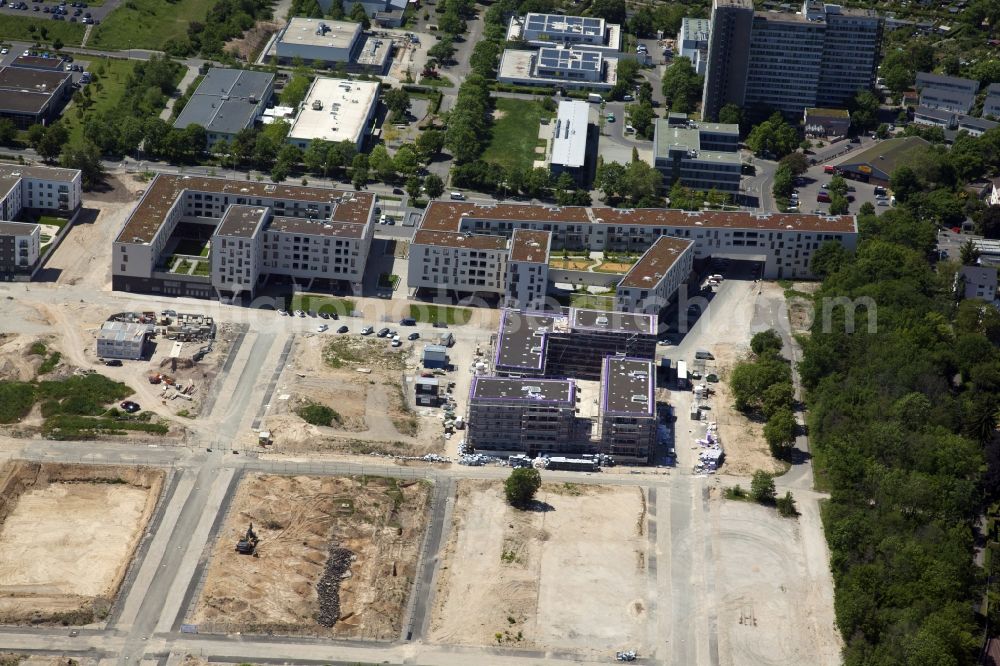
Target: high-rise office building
(819,56)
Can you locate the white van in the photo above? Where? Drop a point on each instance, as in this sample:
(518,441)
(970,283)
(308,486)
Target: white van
(458,196)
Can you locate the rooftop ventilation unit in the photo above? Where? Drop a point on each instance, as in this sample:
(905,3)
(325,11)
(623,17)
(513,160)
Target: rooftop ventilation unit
(638,397)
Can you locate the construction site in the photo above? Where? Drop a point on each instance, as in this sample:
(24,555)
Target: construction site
(316,555)
(67,537)
(506,575)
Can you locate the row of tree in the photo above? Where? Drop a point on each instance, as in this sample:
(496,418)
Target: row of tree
(762,389)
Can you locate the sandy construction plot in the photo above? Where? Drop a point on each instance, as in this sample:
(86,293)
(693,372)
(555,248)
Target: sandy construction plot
(68,536)
(572,576)
(301,521)
(777,579)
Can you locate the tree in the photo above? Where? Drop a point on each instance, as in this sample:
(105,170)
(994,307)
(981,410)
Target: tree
(451,23)
(838,185)
(35,135)
(904,183)
(969,254)
(87,158)
(784,183)
(397,101)
(774,137)
(989,222)
(681,85)
(779,431)
(359,15)
(443,51)
(828,259)
(57,44)
(731,114)
(413,187)
(8,132)
(766,342)
(359,171)
(612,11)
(315,156)
(838,204)
(521,486)
(405,161)
(296,89)
(777,397)
(289,156)
(796,162)
(864,110)
(429,144)
(786,505)
(433,186)
(381,162)
(762,487)
(484,59)
(52,142)
(641,116)
(882,131)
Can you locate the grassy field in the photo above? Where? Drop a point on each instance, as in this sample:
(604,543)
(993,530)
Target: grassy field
(147,24)
(112,87)
(29,29)
(435,314)
(515,133)
(328,304)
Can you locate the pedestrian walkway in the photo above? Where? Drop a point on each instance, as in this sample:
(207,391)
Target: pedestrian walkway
(189,76)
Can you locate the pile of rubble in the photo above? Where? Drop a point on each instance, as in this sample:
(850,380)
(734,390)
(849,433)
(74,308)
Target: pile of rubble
(338,567)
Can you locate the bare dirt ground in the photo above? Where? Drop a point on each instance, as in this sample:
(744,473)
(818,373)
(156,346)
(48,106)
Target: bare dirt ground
(774,586)
(361,379)
(253,40)
(67,536)
(299,520)
(17,363)
(539,578)
(14,659)
(800,310)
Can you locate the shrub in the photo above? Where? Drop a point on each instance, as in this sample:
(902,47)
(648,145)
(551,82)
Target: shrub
(521,486)
(762,487)
(786,506)
(318,415)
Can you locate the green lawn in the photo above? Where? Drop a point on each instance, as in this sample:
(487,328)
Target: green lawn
(441,82)
(202,268)
(148,24)
(107,93)
(515,133)
(320,303)
(592,302)
(434,314)
(28,28)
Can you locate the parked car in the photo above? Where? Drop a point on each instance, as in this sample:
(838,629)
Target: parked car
(322,328)
(130,407)
(300,313)
(367,330)
(407,321)
(282,313)
(342,329)
(413,336)
(382,332)
(113,363)
(396,342)
(324,315)
(823,197)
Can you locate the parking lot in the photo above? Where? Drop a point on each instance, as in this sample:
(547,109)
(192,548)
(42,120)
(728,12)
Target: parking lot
(815,179)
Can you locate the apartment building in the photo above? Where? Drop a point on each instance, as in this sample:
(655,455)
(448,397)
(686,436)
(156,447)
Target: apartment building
(19,250)
(122,340)
(305,233)
(527,278)
(628,423)
(946,93)
(977,282)
(457,262)
(40,188)
(991,105)
(819,56)
(699,156)
(563,66)
(654,279)
(525,416)
(783,242)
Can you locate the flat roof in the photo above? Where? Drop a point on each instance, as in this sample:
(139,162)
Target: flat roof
(569,138)
(226,100)
(241,221)
(39,172)
(305,226)
(673,137)
(122,331)
(147,217)
(936,114)
(976,123)
(310,32)
(514,390)
(627,386)
(335,110)
(654,264)
(612,322)
(557,24)
(24,90)
(522,339)
(17,228)
(829,113)
(459,240)
(887,155)
(38,62)
(530,246)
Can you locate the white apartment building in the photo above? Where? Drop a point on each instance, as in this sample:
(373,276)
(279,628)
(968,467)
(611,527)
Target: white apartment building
(306,233)
(457,261)
(527,279)
(41,188)
(19,250)
(656,277)
(946,93)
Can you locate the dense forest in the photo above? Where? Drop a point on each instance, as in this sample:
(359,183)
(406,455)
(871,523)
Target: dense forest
(902,420)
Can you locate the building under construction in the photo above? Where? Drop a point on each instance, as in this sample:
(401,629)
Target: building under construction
(580,382)
(573,343)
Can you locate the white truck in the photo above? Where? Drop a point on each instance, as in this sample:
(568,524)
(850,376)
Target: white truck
(682,375)
(594,97)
